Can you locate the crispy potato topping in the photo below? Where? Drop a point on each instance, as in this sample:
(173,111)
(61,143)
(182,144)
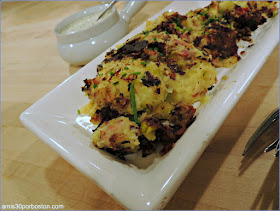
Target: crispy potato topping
(145,88)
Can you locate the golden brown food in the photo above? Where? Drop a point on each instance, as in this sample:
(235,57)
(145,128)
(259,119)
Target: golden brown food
(119,134)
(216,28)
(145,89)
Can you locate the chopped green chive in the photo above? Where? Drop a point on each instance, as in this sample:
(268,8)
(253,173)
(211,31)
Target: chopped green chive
(166,32)
(136,73)
(144,63)
(100,74)
(79,112)
(209,20)
(177,28)
(112,73)
(161,54)
(116,83)
(155,49)
(94,86)
(125,74)
(178,22)
(133,104)
(126,68)
(190,29)
(155,38)
(145,32)
(203,13)
(184,29)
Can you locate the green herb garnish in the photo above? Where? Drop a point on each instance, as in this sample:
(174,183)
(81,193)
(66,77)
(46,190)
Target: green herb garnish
(145,32)
(166,32)
(184,29)
(112,73)
(79,112)
(125,74)
(136,73)
(144,63)
(126,68)
(178,22)
(133,104)
(155,38)
(116,83)
(161,54)
(155,49)
(94,86)
(209,20)
(203,13)
(177,28)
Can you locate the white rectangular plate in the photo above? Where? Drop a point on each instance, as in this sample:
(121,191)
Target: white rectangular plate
(54,119)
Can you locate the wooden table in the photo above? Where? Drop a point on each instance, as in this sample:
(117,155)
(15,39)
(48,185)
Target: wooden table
(32,173)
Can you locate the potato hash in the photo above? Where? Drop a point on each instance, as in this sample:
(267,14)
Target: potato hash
(145,89)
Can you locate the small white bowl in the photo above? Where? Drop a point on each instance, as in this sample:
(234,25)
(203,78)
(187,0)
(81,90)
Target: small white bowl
(82,46)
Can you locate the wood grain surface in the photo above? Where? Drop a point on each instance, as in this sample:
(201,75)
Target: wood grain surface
(32,173)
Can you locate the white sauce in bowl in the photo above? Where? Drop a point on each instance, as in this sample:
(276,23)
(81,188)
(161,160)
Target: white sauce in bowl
(83,23)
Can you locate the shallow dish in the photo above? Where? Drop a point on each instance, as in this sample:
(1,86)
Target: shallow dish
(143,183)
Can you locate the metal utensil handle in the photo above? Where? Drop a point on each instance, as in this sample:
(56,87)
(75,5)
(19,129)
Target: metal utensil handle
(110,5)
(272,146)
(277,149)
(266,123)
